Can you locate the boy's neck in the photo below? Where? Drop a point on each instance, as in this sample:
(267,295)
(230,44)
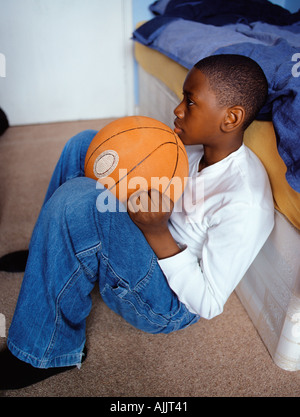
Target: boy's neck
(213,155)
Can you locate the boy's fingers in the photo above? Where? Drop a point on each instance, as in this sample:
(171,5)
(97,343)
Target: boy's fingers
(149,201)
(160,202)
(155,200)
(138,201)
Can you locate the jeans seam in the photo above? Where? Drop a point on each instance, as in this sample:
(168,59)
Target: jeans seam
(85,253)
(26,355)
(71,281)
(143,282)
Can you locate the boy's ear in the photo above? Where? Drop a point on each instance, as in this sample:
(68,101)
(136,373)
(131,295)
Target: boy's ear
(234,117)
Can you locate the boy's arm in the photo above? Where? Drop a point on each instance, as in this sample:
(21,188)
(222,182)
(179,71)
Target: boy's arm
(150,211)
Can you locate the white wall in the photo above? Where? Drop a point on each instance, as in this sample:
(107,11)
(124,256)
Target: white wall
(66,59)
(70,59)
(140,13)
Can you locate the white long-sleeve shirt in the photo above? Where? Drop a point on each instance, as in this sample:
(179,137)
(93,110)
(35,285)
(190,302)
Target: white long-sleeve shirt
(222,220)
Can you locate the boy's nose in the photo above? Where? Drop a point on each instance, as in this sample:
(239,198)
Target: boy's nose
(178,111)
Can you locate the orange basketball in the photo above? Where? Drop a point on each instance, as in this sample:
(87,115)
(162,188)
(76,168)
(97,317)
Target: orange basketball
(138,152)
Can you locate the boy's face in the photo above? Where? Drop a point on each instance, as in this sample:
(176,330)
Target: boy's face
(198,116)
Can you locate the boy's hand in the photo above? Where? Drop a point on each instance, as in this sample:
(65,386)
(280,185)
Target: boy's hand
(150,211)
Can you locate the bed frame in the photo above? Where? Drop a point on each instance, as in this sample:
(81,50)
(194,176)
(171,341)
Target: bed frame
(270,290)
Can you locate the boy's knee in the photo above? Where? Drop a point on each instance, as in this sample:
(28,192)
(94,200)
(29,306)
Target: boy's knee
(75,192)
(83,138)
(84,135)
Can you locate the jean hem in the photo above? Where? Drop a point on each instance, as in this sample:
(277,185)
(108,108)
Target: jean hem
(69,359)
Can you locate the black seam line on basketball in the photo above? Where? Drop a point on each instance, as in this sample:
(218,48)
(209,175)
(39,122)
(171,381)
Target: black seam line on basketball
(176,163)
(128,130)
(177,159)
(146,157)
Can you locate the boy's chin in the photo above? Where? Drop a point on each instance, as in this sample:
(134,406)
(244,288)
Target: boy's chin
(181,135)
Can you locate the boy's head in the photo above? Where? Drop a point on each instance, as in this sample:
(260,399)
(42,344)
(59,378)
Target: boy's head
(222,95)
(236,80)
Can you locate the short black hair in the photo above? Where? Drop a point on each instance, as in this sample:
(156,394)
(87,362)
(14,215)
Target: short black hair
(236,80)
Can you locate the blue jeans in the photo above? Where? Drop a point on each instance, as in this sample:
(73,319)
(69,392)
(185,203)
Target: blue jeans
(73,246)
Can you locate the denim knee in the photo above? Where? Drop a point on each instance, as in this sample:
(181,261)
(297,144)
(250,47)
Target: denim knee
(85,136)
(76,148)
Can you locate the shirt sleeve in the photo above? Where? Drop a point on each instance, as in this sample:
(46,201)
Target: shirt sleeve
(204,283)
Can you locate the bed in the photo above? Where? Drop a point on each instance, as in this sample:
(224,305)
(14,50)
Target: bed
(165,50)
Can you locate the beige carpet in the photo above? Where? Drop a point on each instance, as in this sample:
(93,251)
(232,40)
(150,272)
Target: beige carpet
(221,357)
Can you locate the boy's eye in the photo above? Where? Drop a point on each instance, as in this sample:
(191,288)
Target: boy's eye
(187,99)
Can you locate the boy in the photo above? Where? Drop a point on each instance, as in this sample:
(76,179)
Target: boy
(161,271)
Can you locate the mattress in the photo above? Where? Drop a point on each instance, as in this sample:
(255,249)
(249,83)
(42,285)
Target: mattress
(260,136)
(270,293)
(270,290)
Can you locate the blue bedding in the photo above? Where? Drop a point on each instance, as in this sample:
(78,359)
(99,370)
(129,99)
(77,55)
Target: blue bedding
(186,32)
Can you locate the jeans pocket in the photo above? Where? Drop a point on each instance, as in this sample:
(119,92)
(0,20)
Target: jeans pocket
(128,305)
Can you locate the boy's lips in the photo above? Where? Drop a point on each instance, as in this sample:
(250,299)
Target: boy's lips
(177,128)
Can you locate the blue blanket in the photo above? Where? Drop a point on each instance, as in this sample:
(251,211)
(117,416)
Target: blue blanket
(276,48)
(223,12)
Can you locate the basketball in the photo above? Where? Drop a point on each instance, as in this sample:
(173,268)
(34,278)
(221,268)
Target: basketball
(138,152)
